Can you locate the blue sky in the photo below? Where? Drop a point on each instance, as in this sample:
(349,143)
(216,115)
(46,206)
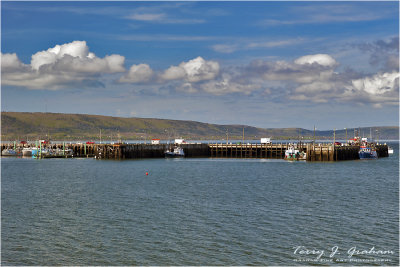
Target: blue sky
(265,64)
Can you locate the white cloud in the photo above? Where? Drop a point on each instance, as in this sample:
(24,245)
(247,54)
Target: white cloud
(337,13)
(377,89)
(225,48)
(147,17)
(314,87)
(162,38)
(198,69)
(227,86)
(174,73)
(194,70)
(61,66)
(307,78)
(276,43)
(321,59)
(10,62)
(313,78)
(254,44)
(198,75)
(137,74)
(377,84)
(75,56)
(162,18)
(75,49)
(291,72)
(187,88)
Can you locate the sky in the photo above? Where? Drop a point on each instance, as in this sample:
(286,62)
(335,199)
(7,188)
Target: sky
(264,64)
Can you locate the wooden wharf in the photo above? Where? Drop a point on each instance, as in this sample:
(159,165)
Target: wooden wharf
(249,150)
(315,152)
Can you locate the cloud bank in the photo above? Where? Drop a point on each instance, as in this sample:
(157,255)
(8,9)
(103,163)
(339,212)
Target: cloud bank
(313,78)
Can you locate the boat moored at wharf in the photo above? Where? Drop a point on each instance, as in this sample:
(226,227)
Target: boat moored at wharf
(367,153)
(9,152)
(367,150)
(295,154)
(175,152)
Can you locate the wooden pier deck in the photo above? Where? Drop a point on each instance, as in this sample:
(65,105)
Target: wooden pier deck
(317,152)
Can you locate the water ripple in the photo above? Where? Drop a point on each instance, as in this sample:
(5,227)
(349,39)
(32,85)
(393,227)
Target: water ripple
(194,211)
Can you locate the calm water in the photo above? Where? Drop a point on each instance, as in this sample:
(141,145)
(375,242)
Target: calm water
(197,211)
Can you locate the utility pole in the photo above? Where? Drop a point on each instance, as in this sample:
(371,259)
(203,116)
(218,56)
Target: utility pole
(227,136)
(243,136)
(298,134)
(334,136)
(314,134)
(346,136)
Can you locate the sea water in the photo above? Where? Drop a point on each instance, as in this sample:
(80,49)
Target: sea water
(199,211)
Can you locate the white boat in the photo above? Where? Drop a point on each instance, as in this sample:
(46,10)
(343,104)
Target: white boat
(175,152)
(63,152)
(295,154)
(9,152)
(27,151)
(390,150)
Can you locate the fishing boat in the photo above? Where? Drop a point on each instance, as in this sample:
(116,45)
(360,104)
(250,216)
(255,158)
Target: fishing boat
(175,152)
(367,153)
(35,151)
(9,152)
(390,150)
(27,151)
(294,154)
(63,152)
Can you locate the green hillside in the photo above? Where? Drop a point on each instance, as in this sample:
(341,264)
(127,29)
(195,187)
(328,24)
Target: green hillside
(24,125)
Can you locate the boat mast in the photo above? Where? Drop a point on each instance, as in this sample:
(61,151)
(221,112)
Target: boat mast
(370,134)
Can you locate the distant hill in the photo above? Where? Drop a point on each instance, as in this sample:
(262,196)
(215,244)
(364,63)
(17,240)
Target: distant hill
(59,126)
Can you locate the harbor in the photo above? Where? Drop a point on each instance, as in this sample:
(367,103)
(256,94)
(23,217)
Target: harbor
(312,151)
(201,133)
